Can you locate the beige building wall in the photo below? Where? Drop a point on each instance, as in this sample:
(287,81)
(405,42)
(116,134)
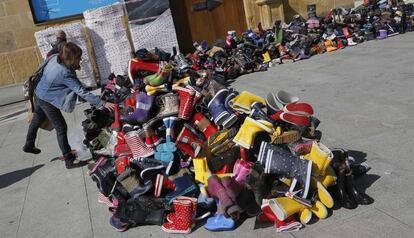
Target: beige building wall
(19,56)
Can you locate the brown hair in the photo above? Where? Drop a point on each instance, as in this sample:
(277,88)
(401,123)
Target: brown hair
(69,54)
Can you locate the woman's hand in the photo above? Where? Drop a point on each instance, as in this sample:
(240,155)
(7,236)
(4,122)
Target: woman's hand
(109,106)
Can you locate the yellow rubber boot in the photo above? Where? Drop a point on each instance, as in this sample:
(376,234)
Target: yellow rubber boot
(286,181)
(305,216)
(201,170)
(247,132)
(266,57)
(329,179)
(284,207)
(323,194)
(321,157)
(242,102)
(319,210)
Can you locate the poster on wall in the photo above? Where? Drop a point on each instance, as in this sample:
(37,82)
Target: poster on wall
(48,10)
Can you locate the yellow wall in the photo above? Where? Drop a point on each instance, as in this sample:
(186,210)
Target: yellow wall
(19,56)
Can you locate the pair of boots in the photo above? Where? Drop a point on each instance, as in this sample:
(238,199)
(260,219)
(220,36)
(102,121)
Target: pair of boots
(226,191)
(188,99)
(221,112)
(183,218)
(347,194)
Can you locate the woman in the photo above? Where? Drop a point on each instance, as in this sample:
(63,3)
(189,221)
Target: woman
(58,90)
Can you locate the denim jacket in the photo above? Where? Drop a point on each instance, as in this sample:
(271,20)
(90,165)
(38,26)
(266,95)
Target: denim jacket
(60,87)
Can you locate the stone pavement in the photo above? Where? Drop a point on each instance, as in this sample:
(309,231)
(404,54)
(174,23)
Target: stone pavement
(363,96)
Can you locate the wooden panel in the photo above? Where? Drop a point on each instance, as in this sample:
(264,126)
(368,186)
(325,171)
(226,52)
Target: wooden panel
(206,25)
(252,12)
(228,16)
(182,25)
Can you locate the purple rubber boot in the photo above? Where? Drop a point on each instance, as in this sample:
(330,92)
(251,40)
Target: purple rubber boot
(142,111)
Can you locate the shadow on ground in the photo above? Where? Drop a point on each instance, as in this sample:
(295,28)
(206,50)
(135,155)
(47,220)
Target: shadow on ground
(15,176)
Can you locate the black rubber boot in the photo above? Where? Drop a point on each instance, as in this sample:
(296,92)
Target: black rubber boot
(341,192)
(356,195)
(134,213)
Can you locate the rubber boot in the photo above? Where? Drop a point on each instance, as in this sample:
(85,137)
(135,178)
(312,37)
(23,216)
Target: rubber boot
(188,141)
(241,170)
(342,194)
(242,103)
(288,225)
(232,116)
(329,179)
(319,210)
(255,181)
(354,193)
(196,98)
(257,113)
(137,67)
(217,107)
(323,194)
(276,160)
(203,124)
(172,216)
(109,147)
(221,141)
(182,222)
(160,77)
(247,132)
(152,90)
(201,170)
(233,188)
(116,125)
(151,139)
(284,207)
(162,182)
(137,145)
(186,97)
(169,105)
(184,185)
(321,157)
(216,189)
(142,111)
(134,213)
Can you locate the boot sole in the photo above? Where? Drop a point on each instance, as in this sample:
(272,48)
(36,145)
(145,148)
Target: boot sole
(177,231)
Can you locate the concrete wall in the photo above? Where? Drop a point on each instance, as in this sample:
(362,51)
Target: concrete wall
(19,56)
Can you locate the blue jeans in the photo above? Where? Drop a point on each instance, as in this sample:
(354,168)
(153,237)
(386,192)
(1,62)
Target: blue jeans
(42,110)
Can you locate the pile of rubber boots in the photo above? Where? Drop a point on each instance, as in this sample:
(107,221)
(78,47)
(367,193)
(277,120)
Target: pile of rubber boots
(181,148)
(300,39)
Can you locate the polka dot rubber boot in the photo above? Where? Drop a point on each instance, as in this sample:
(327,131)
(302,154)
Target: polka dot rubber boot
(182,221)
